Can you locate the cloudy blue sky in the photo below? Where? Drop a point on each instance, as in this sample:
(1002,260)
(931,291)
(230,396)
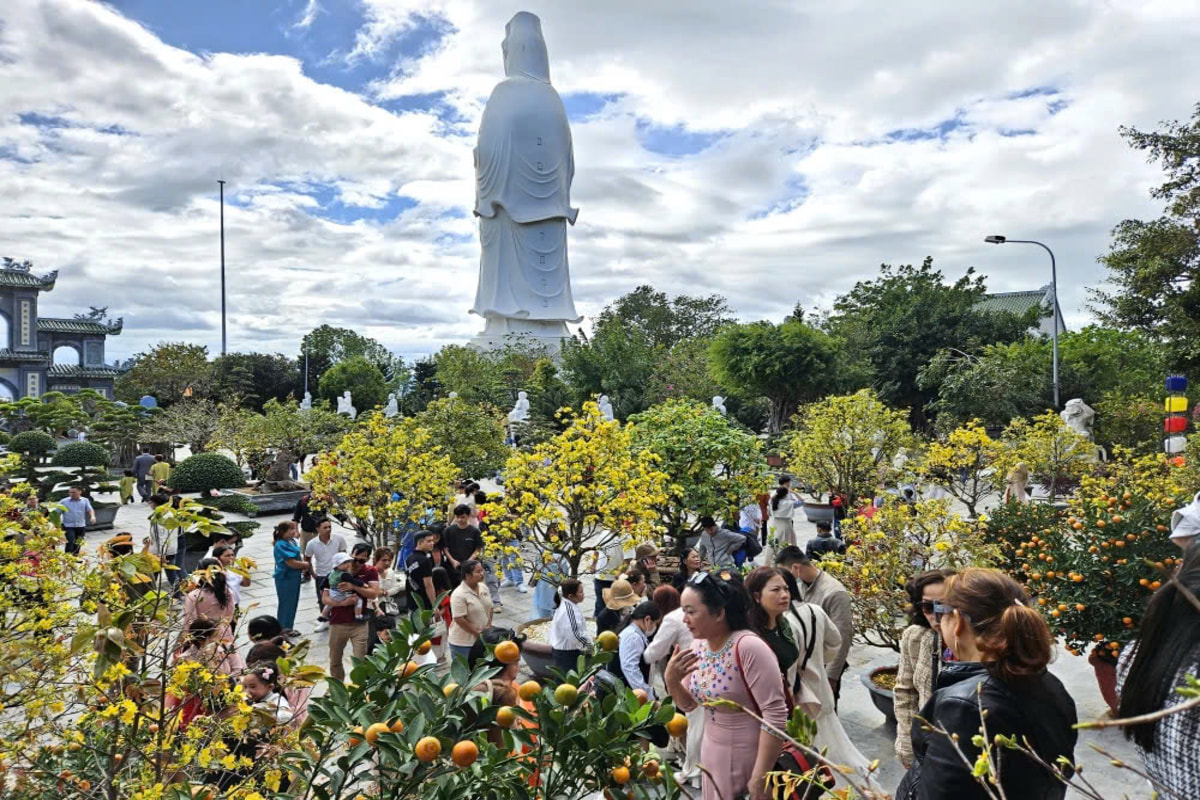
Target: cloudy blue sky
(773,152)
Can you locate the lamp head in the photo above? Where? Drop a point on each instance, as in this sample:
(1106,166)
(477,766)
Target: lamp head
(996,239)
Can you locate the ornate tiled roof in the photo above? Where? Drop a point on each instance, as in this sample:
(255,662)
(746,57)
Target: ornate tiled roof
(58,371)
(1017,302)
(22,355)
(59,325)
(27,280)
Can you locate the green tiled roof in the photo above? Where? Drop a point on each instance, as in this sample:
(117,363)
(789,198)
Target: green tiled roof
(58,325)
(76,371)
(1017,302)
(22,355)
(27,280)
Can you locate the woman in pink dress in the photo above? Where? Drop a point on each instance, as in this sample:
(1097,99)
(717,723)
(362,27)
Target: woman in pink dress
(211,599)
(728,662)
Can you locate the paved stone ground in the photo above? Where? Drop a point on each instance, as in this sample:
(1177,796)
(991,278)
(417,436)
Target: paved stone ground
(864,724)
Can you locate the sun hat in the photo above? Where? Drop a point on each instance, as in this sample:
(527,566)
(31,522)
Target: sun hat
(1185,521)
(342,558)
(646,550)
(620,595)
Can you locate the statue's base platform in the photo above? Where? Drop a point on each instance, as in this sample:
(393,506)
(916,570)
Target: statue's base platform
(501,332)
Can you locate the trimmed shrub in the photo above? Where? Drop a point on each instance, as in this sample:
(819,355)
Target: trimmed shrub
(234,503)
(205,471)
(32,443)
(5,438)
(81,454)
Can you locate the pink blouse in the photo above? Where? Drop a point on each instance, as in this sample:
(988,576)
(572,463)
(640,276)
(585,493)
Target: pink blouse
(202,604)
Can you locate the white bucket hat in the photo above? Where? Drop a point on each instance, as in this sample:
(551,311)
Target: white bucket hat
(1185,521)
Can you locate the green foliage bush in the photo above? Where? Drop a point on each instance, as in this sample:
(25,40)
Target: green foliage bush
(4,438)
(32,443)
(81,454)
(205,471)
(232,503)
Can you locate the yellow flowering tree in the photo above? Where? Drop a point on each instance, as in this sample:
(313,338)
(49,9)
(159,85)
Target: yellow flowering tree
(964,463)
(898,542)
(577,494)
(841,443)
(1055,454)
(385,474)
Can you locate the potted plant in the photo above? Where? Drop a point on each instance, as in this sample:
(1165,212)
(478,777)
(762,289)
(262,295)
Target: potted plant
(90,461)
(898,542)
(1093,572)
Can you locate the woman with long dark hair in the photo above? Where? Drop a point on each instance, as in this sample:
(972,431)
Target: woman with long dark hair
(796,634)
(289,567)
(783,509)
(920,656)
(569,636)
(1003,646)
(728,662)
(689,565)
(211,599)
(1150,671)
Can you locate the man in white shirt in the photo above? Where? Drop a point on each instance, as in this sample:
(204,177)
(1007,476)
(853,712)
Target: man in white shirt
(320,554)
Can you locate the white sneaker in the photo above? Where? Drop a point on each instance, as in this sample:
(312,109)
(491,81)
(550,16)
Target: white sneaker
(522,589)
(504,584)
(322,625)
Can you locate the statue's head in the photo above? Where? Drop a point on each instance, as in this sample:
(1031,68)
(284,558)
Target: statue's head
(522,395)
(524,48)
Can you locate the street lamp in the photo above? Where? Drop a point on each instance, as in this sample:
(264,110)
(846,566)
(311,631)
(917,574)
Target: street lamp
(1054,295)
(224,340)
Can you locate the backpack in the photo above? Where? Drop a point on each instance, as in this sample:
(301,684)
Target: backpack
(753,545)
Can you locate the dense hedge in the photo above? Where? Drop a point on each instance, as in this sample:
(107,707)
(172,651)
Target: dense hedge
(81,454)
(34,443)
(205,471)
(234,503)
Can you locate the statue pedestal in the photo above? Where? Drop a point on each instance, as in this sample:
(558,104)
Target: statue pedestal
(501,331)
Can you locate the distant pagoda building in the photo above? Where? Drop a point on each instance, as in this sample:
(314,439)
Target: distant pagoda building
(27,367)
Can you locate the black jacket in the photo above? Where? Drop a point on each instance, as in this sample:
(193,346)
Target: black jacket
(820,545)
(1038,708)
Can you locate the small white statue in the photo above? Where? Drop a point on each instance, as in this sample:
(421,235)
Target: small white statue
(606,408)
(345,405)
(306,403)
(392,408)
(520,412)
(1079,415)
(900,459)
(454,395)
(718,403)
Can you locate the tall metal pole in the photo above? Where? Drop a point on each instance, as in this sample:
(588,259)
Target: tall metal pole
(224,337)
(1054,300)
(306,365)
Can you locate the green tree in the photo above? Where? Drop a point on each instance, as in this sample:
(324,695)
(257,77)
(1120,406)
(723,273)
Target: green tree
(547,393)
(788,364)
(1152,264)
(662,321)
(192,422)
(326,346)
(899,321)
(166,372)
(256,378)
(424,386)
(714,467)
(472,435)
(361,377)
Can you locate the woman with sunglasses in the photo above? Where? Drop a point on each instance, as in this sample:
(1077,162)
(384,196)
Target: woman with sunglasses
(1003,646)
(728,662)
(921,654)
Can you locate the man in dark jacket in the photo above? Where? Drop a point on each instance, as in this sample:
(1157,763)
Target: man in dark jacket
(141,471)
(824,542)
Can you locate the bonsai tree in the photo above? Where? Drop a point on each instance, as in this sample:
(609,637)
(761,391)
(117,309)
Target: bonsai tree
(32,447)
(898,542)
(964,464)
(383,476)
(1093,573)
(578,494)
(91,463)
(206,471)
(715,467)
(841,444)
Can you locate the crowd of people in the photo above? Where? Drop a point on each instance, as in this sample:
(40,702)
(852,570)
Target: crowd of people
(767,629)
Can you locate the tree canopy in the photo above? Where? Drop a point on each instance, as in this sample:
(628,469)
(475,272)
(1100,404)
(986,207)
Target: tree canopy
(255,378)
(166,372)
(358,375)
(328,345)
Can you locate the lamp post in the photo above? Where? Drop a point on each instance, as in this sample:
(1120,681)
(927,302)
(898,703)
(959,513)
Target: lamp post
(1054,296)
(224,340)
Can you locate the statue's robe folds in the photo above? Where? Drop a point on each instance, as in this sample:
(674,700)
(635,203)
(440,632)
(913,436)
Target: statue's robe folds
(524,164)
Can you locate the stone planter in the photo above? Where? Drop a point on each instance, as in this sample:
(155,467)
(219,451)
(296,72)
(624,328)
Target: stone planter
(538,656)
(272,502)
(818,512)
(883,699)
(106,514)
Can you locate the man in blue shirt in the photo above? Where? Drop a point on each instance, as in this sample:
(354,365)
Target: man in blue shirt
(78,515)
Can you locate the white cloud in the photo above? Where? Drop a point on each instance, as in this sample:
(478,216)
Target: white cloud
(804,95)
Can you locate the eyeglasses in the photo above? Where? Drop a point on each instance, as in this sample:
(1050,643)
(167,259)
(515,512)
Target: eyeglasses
(941,610)
(926,606)
(362,560)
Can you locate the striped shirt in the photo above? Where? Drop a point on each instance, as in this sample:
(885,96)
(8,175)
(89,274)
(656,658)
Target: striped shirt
(568,631)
